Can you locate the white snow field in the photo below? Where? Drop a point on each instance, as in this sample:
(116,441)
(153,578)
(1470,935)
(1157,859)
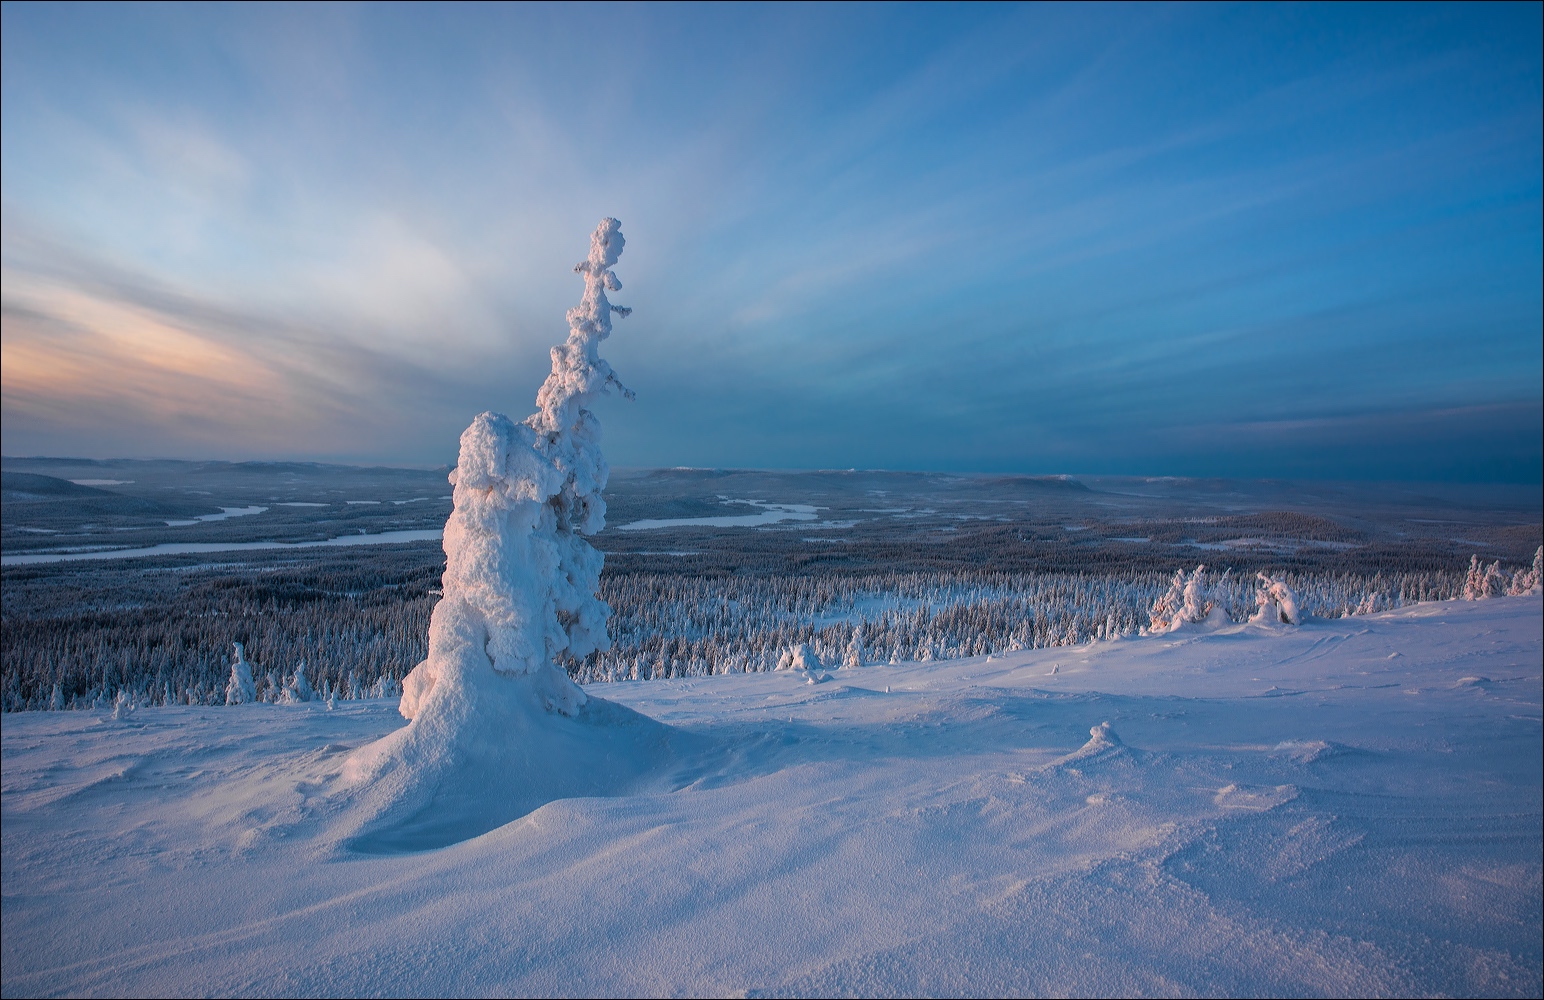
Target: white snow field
(1351,807)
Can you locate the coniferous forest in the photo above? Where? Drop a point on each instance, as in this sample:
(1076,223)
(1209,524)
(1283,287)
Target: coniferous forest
(848,568)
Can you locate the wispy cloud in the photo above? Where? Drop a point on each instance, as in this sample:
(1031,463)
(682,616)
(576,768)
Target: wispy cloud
(913,236)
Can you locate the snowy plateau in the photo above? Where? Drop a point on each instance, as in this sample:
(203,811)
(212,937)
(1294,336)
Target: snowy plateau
(1324,780)
(1351,807)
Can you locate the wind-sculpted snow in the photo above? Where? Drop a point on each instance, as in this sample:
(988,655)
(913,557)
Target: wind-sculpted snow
(1351,807)
(484,753)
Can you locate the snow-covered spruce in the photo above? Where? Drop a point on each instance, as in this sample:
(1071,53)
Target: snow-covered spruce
(497,727)
(1484,581)
(240,689)
(520,579)
(1276,603)
(1531,580)
(1489,581)
(1189,601)
(297,689)
(661,626)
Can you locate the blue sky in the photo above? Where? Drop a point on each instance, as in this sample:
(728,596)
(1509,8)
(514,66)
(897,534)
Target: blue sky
(1214,240)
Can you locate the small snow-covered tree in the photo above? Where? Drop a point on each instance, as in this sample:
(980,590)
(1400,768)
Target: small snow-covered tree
(1165,612)
(1528,581)
(240,689)
(799,656)
(1485,581)
(297,689)
(1187,601)
(852,656)
(1276,603)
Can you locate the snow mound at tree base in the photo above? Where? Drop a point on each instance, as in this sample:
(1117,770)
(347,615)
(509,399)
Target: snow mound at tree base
(484,751)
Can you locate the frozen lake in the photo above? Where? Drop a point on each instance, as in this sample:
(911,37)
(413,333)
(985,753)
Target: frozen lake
(225,514)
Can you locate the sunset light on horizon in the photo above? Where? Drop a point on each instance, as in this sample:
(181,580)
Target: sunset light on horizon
(1286,241)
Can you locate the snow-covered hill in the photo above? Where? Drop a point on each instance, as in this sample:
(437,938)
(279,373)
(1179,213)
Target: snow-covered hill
(1350,807)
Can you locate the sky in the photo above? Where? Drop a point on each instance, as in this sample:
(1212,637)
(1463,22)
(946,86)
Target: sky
(1244,241)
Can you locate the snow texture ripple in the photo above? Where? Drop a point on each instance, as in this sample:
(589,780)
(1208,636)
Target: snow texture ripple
(1285,811)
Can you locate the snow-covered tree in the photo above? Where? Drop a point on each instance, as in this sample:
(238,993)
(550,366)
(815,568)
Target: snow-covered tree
(852,656)
(1485,581)
(520,579)
(1528,581)
(799,657)
(240,689)
(1187,601)
(297,689)
(1276,603)
(497,726)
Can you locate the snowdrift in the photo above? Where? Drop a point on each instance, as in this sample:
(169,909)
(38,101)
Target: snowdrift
(484,751)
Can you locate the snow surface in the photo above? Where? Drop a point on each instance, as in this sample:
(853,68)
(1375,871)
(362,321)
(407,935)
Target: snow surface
(1352,807)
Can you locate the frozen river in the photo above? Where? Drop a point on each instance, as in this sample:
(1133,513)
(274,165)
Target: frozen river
(769,513)
(180,548)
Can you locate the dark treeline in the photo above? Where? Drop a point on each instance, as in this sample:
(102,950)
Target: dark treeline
(79,634)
